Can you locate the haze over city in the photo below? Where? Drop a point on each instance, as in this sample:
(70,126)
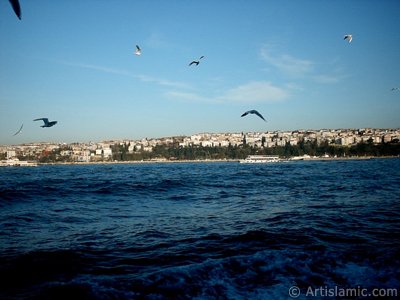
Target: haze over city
(74,62)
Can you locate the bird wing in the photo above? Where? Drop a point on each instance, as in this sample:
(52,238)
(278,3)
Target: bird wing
(201,57)
(19,130)
(258,114)
(348,37)
(16,8)
(245,114)
(194,62)
(45,120)
(138,48)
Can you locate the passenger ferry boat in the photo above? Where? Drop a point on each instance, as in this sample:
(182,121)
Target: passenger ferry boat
(252,159)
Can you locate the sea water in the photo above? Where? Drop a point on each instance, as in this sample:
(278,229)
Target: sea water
(200,230)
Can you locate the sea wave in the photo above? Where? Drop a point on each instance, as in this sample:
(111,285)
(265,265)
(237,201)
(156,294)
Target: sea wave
(252,265)
(198,231)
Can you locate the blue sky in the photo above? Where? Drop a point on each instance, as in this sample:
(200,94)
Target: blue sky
(73,61)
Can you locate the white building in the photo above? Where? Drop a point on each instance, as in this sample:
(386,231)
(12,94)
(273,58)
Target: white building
(10,154)
(107,152)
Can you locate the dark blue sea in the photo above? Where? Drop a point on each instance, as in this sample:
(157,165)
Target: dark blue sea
(305,230)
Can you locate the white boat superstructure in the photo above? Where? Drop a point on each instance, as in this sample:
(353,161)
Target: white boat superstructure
(252,159)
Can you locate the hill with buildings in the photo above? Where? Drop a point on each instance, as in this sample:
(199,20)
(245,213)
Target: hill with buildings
(324,142)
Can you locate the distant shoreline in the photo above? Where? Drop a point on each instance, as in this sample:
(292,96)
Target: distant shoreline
(214,160)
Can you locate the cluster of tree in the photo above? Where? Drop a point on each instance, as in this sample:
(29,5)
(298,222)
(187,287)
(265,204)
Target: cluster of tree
(176,152)
(173,152)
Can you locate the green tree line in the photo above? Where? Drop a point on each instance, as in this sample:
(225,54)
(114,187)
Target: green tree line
(174,152)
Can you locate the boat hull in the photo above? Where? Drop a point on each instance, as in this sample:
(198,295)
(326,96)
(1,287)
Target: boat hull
(260,159)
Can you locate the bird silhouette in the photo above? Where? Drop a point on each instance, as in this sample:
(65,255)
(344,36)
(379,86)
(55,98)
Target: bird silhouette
(19,130)
(348,37)
(253,111)
(16,8)
(395,89)
(46,122)
(196,62)
(138,51)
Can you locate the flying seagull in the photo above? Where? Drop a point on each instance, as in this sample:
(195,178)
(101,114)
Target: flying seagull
(16,8)
(348,37)
(19,130)
(196,61)
(138,51)
(46,122)
(395,89)
(253,111)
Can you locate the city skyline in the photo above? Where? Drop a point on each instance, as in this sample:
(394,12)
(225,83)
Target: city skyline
(322,134)
(375,142)
(287,60)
